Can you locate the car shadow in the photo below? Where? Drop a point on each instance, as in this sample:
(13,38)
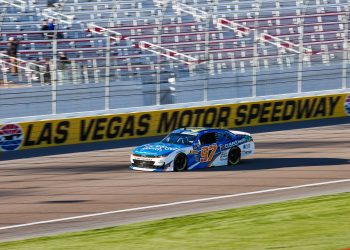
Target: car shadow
(276,163)
(244,165)
(83,168)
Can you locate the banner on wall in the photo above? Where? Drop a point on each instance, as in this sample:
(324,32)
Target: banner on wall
(134,125)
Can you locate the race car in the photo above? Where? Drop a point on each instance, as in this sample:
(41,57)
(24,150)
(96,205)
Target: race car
(193,148)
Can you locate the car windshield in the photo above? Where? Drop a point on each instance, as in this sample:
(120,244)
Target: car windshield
(177,138)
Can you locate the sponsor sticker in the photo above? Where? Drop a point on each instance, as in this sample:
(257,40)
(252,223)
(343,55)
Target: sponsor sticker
(11,137)
(347,105)
(234,143)
(224,155)
(159,148)
(142,158)
(248,152)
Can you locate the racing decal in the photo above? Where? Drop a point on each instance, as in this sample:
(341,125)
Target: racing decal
(195,130)
(208,152)
(236,143)
(224,155)
(40,134)
(347,105)
(143,158)
(158,147)
(196,155)
(210,164)
(169,166)
(189,133)
(248,152)
(195,165)
(11,137)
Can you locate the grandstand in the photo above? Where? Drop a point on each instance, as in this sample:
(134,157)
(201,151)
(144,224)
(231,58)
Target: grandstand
(134,53)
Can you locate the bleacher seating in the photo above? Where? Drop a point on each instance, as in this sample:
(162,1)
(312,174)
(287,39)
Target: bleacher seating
(259,44)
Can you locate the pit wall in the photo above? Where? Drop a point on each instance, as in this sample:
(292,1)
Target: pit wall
(47,133)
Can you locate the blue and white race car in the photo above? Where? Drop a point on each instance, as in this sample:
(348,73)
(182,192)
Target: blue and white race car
(193,148)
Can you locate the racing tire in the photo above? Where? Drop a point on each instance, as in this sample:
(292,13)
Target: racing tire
(234,156)
(180,163)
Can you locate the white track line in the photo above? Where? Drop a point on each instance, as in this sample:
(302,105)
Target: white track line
(173,204)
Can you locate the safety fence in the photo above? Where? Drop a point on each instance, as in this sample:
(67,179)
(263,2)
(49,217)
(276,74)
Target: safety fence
(144,53)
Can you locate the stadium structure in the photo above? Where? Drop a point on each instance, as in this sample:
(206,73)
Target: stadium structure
(136,53)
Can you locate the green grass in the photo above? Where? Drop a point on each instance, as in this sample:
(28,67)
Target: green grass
(316,223)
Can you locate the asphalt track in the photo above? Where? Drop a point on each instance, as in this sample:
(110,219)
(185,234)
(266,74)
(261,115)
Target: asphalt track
(48,194)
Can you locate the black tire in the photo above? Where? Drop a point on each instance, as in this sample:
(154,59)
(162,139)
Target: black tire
(180,163)
(234,156)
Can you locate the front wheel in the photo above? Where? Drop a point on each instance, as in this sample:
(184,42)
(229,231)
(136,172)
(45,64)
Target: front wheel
(234,156)
(180,163)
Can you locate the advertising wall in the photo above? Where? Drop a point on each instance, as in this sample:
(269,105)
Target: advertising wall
(134,125)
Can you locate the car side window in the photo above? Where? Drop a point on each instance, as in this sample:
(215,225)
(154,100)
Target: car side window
(224,136)
(208,138)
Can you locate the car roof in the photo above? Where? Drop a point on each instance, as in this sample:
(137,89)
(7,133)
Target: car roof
(196,130)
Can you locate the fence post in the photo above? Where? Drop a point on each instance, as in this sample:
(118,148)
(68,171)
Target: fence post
(108,65)
(301,52)
(255,55)
(54,71)
(345,50)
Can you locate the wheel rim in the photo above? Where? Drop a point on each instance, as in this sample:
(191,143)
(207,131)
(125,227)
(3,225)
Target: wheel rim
(234,157)
(180,163)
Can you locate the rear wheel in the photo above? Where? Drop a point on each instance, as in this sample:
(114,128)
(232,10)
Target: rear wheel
(180,163)
(234,156)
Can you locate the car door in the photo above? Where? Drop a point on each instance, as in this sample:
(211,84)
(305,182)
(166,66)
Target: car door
(208,149)
(224,140)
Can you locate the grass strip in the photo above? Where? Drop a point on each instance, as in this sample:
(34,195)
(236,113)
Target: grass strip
(315,223)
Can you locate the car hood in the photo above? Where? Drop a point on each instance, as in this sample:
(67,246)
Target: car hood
(157,149)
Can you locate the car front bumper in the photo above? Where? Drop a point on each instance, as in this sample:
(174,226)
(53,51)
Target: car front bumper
(150,164)
(146,169)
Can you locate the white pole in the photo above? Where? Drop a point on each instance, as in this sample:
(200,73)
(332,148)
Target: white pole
(255,56)
(158,80)
(108,65)
(28,74)
(54,71)
(159,41)
(301,50)
(207,63)
(206,53)
(4,71)
(345,50)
